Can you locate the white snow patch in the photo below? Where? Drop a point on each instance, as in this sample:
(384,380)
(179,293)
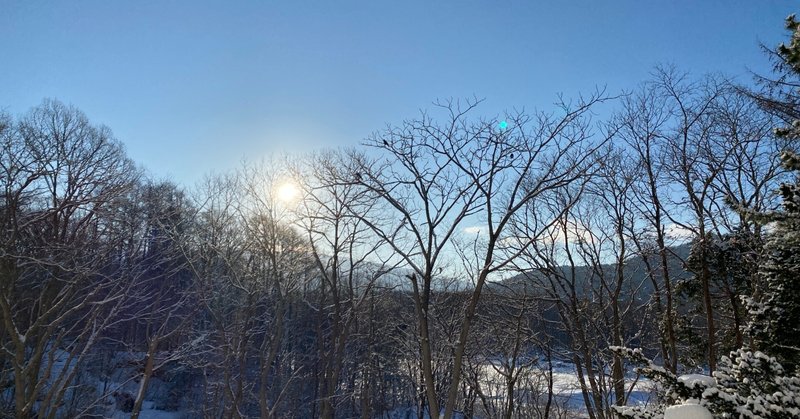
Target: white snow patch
(693,380)
(687,411)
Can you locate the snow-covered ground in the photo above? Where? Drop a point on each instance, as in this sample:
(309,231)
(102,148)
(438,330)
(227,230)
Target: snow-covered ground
(148,412)
(566,388)
(120,372)
(117,375)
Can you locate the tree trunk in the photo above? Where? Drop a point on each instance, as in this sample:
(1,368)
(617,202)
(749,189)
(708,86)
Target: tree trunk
(421,306)
(146,375)
(709,308)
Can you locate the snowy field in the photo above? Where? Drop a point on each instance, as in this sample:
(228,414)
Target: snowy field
(531,386)
(568,397)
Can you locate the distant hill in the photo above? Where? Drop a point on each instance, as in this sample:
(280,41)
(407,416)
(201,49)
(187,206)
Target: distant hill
(635,271)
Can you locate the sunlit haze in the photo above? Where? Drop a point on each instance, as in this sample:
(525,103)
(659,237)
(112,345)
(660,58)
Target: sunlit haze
(287,192)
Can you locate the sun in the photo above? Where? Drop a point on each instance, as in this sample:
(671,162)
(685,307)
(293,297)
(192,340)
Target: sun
(287,192)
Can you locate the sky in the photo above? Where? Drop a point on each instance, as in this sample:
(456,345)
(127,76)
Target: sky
(193,87)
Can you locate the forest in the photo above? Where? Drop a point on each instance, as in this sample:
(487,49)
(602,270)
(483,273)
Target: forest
(610,257)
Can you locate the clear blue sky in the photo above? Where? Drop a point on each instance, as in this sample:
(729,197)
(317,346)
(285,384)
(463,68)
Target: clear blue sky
(195,86)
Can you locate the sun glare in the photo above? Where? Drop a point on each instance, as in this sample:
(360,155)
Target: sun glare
(287,192)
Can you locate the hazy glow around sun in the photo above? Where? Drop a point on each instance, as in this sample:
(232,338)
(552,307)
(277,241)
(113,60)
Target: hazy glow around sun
(287,192)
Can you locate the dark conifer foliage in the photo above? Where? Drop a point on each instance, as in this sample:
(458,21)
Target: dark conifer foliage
(775,323)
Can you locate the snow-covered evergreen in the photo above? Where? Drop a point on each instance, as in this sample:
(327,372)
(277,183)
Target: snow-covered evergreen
(748,384)
(774,308)
(753,385)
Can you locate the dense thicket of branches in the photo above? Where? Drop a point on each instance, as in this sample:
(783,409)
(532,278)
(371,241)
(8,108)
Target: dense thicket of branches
(449,268)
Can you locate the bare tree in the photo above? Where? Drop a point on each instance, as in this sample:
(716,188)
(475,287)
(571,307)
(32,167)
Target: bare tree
(349,261)
(438,177)
(695,167)
(248,262)
(62,282)
(166,301)
(610,225)
(705,150)
(580,264)
(640,124)
(507,348)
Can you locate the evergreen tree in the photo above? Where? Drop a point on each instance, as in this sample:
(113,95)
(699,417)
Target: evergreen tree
(775,307)
(732,260)
(746,385)
(752,384)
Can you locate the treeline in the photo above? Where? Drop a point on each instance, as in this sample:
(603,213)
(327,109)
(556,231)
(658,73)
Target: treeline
(446,266)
